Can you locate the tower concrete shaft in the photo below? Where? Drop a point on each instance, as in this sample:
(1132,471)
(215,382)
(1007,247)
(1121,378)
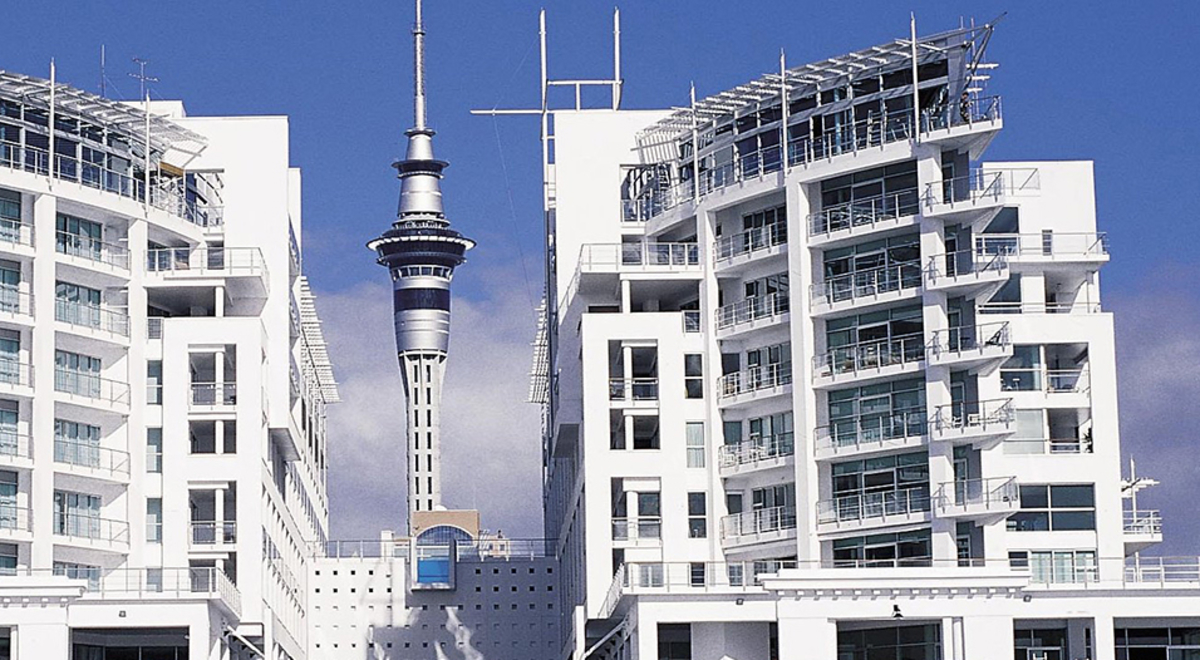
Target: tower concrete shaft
(421,252)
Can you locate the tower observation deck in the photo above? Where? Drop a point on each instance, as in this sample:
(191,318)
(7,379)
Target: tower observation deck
(421,251)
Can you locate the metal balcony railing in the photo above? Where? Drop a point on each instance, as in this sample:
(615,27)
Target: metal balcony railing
(752,309)
(1040,379)
(984,416)
(865,212)
(15,233)
(1142,522)
(15,518)
(90,386)
(749,242)
(638,256)
(1047,244)
(15,372)
(867,283)
(15,301)
(633,389)
(869,356)
(970,338)
(633,529)
(91,249)
(756,450)
(851,434)
(1077,307)
(962,263)
(95,317)
(983,187)
(859,507)
(1050,446)
(95,457)
(14,444)
(213,532)
(213,394)
(964,112)
(91,528)
(205,261)
(758,521)
(754,379)
(874,131)
(982,495)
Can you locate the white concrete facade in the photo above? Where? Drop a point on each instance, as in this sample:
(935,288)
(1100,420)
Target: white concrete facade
(165,381)
(815,386)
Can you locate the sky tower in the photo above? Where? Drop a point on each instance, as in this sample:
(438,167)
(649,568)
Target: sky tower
(421,251)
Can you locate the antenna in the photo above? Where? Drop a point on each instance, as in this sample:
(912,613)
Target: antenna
(141,74)
(102,86)
(419,73)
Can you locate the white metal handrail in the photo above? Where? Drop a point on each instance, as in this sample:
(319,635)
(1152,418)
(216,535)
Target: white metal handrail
(636,389)
(212,532)
(91,249)
(90,385)
(87,455)
(970,338)
(751,241)
(1047,244)
(213,394)
(764,377)
(754,450)
(96,317)
(90,527)
(867,283)
(1142,521)
(864,212)
(858,507)
(987,493)
(641,528)
(1040,308)
(869,356)
(639,255)
(758,521)
(752,309)
(964,112)
(984,415)
(205,261)
(874,131)
(964,262)
(850,434)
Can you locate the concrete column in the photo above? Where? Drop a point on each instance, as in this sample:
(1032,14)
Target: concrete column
(219,301)
(645,641)
(807,638)
(987,637)
(37,348)
(219,505)
(626,297)
(43,640)
(219,433)
(1104,639)
(628,430)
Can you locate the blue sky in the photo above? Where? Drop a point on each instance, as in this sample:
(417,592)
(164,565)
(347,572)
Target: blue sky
(1102,81)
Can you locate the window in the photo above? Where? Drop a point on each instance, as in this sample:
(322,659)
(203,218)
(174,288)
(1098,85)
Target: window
(1023,371)
(77,514)
(154,382)
(1175,642)
(1055,509)
(860,197)
(876,487)
(693,376)
(645,431)
(154,520)
(697,515)
(872,268)
(695,444)
(874,413)
(892,642)
(1056,566)
(8,559)
(10,437)
(649,515)
(697,574)
(887,550)
(75,373)
(154,450)
(78,237)
(77,305)
(76,443)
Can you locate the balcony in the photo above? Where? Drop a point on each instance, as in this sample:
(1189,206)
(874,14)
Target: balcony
(754,384)
(16,306)
(982,423)
(873,509)
(16,237)
(870,133)
(776,523)
(633,391)
(1060,388)
(212,534)
(16,449)
(16,522)
(92,460)
(91,532)
(755,454)
(967,274)
(866,288)
(16,377)
(212,395)
(850,221)
(93,320)
(93,254)
(988,499)
(160,584)
(1142,529)
(752,314)
(976,198)
(241,270)
(871,434)
(980,348)
(641,257)
(967,124)
(1047,249)
(639,531)
(869,361)
(1076,307)
(655,200)
(89,389)
(748,246)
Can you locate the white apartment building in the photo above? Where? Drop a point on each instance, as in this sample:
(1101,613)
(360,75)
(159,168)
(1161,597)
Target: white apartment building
(163,382)
(823,382)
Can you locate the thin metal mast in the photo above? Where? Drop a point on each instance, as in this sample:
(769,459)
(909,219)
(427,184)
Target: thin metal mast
(419,71)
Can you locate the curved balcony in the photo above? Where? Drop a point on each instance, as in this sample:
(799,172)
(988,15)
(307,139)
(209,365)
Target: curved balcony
(16,522)
(1049,248)
(754,384)
(980,348)
(756,454)
(752,314)
(89,389)
(749,246)
(637,531)
(988,499)
(850,221)
(93,320)
(866,288)
(16,449)
(966,273)
(92,461)
(241,270)
(869,361)
(982,423)
(16,377)
(871,434)
(93,255)
(759,526)
(16,306)
(91,532)
(878,509)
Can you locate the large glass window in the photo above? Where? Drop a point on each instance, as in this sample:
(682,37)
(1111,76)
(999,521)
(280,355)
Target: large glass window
(1023,371)
(874,487)
(1055,508)
(886,550)
(1040,643)
(877,412)
(76,514)
(908,642)
(1056,566)
(76,443)
(77,305)
(862,196)
(871,268)
(1166,643)
(77,374)
(10,216)
(889,336)
(79,238)
(79,572)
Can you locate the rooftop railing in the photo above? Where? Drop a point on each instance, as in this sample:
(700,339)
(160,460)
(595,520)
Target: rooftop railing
(864,213)
(756,450)
(751,241)
(96,317)
(863,507)
(864,432)
(868,283)
(92,249)
(985,416)
(752,309)
(754,379)
(869,356)
(148,584)
(1143,521)
(758,521)
(91,456)
(486,546)
(90,386)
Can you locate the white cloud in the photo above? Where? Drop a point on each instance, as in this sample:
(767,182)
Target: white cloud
(490,435)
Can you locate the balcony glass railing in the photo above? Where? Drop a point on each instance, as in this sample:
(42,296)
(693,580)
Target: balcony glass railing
(91,249)
(865,432)
(638,256)
(633,389)
(754,379)
(15,233)
(759,521)
(1044,245)
(213,532)
(873,505)
(95,317)
(970,338)
(869,356)
(1040,379)
(90,385)
(91,527)
(752,309)
(205,262)
(213,394)
(15,518)
(956,265)
(14,444)
(633,529)
(983,416)
(864,213)
(755,450)
(978,495)
(15,301)
(749,242)
(86,455)
(15,372)
(867,283)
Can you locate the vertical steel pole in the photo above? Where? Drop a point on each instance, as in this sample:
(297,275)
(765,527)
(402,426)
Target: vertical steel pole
(146,166)
(783,105)
(53,87)
(912,27)
(616,90)
(695,149)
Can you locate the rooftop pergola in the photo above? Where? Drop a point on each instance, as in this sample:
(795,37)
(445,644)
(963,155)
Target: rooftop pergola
(119,115)
(810,78)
